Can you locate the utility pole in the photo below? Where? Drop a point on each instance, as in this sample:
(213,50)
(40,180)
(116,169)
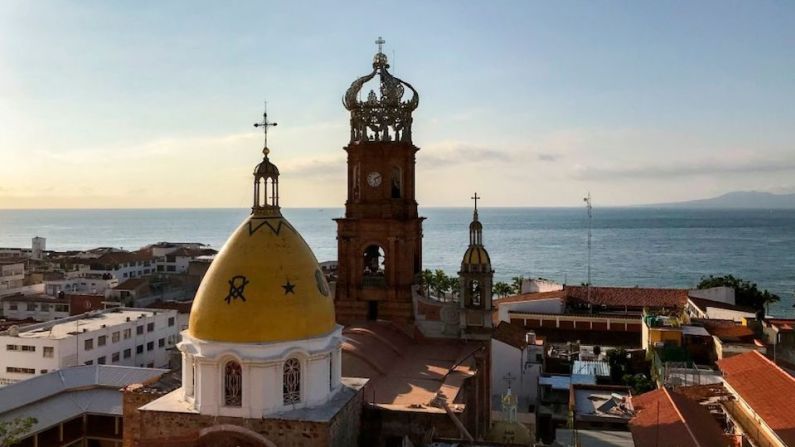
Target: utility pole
(587,201)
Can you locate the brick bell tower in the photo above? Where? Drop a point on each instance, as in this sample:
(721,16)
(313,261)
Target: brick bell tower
(380,238)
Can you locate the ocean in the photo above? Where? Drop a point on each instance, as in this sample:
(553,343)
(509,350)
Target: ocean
(630,246)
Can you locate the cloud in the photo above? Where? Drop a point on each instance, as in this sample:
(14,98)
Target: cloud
(682,169)
(548,157)
(446,154)
(331,167)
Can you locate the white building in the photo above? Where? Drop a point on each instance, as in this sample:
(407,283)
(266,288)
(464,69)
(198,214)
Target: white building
(538,285)
(12,274)
(543,302)
(93,283)
(123,265)
(517,359)
(36,306)
(37,247)
(121,336)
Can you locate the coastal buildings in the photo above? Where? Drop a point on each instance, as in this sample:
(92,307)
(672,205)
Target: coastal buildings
(121,336)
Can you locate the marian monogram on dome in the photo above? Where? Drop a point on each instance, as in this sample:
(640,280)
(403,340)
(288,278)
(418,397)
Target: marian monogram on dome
(383,116)
(237,286)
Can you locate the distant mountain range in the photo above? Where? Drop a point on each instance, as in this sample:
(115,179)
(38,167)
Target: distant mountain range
(737,199)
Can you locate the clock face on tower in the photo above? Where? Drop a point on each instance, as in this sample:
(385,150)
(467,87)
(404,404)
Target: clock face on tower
(374,179)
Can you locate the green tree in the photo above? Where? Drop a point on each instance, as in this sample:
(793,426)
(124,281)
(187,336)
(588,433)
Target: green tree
(746,293)
(426,279)
(516,284)
(502,289)
(11,432)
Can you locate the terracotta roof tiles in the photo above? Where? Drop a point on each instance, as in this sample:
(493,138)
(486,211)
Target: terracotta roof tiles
(668,419)
(629,296)
(766,388)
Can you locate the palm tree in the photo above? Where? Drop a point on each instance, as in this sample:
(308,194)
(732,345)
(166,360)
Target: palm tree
(516,284)
(502,289)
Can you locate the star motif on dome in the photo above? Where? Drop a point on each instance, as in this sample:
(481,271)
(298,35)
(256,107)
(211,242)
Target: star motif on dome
(288,288)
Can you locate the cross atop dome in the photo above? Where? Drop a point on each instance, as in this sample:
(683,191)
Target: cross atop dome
(265,124)
(475,198)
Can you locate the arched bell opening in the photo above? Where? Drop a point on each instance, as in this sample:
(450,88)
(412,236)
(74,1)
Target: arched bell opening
(397,183)
(374,266)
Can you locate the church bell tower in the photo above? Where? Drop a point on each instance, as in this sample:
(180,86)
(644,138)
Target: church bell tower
(380,238)
(476,280)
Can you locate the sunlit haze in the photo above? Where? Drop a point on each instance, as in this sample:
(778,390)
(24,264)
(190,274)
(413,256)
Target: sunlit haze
(151,104)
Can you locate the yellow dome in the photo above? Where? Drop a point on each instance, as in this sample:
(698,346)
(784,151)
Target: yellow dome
(476,255)
(264,286)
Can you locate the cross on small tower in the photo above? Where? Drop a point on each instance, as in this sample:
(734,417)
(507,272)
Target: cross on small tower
(508,378)
(380,42)
(265,124)
(475,198)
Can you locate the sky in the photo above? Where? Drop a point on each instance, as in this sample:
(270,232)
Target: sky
(144,104)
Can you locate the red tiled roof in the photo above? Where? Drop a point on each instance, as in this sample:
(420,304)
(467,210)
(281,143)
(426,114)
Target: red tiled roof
(629,296)
(766,388)
(511,334)
(132,283)
(535,296)
(668,419)
(736,333)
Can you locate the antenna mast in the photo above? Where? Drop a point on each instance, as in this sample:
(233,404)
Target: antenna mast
(587,201)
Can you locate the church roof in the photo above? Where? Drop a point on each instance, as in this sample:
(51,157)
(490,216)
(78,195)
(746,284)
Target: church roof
(264,286)
(476,255)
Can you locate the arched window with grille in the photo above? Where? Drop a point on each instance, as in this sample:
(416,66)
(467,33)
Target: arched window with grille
(292,382)
(233,384)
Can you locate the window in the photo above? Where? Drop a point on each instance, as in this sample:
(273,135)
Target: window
(127,353)
(150,346)
(139,330)
(170,321)
(28,348)
(32,307)
(62,308)
(292,382)
(115,337)
(88,344)
(127,333)
(233,384)
(45,307)
(13,306)
(139,349)
(43,371)
(90,362)
(49,351)
(12,347)
(171,268)
(102,340)
(14,369)
(150,327)
(161,342)
(114,357)
(101,360)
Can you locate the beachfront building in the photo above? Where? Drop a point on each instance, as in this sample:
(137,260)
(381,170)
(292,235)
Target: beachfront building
(121,336)
(81,282)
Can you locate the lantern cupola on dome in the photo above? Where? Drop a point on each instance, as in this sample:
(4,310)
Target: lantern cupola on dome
(383,116)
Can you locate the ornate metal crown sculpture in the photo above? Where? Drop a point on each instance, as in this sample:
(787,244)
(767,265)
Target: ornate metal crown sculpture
(381,118)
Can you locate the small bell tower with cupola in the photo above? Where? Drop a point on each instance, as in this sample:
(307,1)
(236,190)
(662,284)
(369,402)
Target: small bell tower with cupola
(476,280)
(380,238)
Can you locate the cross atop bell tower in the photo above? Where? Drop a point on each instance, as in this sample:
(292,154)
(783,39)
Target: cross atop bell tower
(380,42)
(265,124)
